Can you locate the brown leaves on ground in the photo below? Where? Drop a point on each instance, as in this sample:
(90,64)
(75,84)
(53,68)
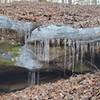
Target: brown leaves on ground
(82,87)
(78,16)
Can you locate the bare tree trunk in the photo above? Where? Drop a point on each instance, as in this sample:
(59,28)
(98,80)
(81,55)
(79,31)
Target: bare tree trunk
(70,2)
(5,1)
(95,2)
(62,1)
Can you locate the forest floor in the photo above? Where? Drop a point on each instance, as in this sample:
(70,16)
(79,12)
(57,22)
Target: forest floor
(75,15)
(82,87)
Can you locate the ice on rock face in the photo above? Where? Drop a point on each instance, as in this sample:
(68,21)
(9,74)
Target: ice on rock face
(55,31)
(5,22)
(19,26)
(73,40)
(52,31)
(27,59)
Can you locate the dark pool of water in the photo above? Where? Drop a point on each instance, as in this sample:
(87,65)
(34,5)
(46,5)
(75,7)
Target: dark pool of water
(13,78)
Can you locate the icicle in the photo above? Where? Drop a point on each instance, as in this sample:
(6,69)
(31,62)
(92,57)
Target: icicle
(20,36)
(35,47)
(57,50)
(58,42)
(41,48)
(70,52)
(65,54)
(46,50)
(86,48)
(77,51)
(48,45)
(92,53)
(29,77)
(90,47)
(26,37)
(97,46)
(73,56)
(69,42)
(52,44)
(81,59)
(54,49)
(38,77)
(33,77)
(37,50)
(53,41)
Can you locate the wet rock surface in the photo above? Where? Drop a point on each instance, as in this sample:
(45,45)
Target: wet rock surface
(82,87)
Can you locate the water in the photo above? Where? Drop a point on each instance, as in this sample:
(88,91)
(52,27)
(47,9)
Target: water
(52,46)
(12,78)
